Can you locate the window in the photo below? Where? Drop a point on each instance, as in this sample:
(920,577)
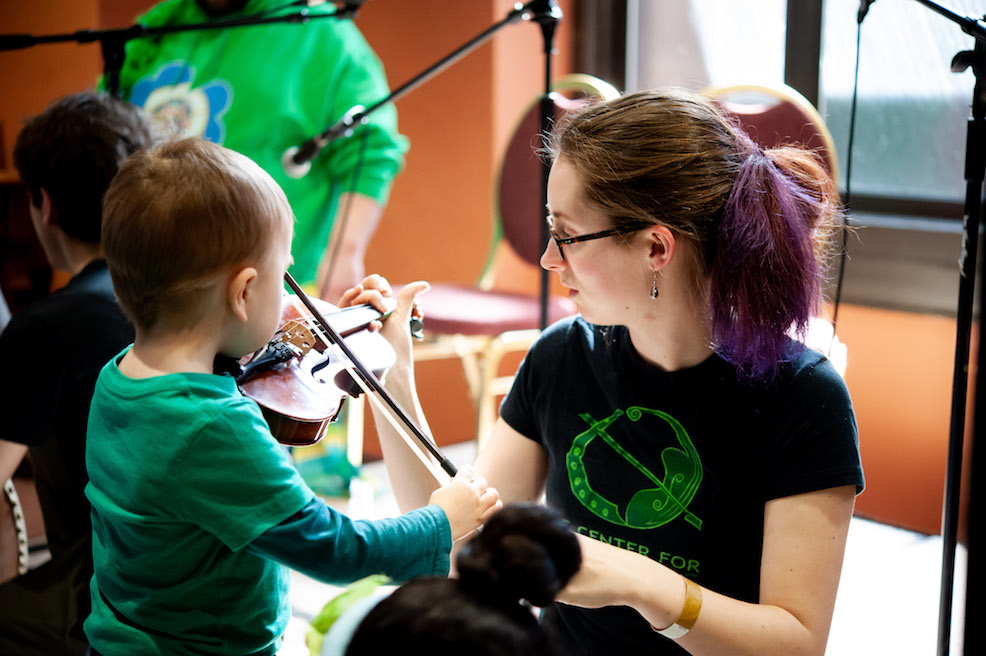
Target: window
(908,157)
(911,110)
(695,43)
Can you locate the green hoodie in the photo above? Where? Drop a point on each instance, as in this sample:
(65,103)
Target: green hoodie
(260,90)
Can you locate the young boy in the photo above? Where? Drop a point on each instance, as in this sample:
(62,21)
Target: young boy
(196,508)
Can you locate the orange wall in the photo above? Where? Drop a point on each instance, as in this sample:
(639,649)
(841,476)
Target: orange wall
(33,77)
(899,374)
(438,223)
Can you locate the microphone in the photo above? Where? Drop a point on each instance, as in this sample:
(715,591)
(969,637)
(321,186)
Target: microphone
(864,6)
(297,160)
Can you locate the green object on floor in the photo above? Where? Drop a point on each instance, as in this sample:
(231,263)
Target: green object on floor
(334,609)
(325,466)
(328,474)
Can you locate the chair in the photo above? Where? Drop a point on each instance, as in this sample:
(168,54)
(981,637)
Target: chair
(480,324)
(779,115)
(776,115)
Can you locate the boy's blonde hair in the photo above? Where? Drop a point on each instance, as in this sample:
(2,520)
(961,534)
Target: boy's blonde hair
(177,215)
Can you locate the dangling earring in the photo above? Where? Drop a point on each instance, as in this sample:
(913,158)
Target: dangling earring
(653,289)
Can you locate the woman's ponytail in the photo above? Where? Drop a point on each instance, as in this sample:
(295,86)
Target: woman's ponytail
(766,277)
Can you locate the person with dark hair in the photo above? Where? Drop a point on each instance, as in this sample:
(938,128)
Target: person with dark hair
(521,559)
(708,459)
(66,157)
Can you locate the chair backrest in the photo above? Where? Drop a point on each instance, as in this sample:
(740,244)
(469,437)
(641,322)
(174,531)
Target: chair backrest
(778,115)
(517,208)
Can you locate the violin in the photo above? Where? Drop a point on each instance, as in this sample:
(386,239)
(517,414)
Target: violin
(307,370)
(300,385)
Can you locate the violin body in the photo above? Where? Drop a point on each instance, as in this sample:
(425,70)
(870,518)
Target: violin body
(297,381)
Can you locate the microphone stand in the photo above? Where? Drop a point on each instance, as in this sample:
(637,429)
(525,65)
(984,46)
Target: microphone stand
(297,159)
(113,41)
(548,22)
(975,164)
(974,642)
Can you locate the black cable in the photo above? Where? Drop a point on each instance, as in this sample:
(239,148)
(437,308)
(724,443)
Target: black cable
(845,216)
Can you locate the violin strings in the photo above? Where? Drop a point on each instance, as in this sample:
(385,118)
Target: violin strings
(430,464)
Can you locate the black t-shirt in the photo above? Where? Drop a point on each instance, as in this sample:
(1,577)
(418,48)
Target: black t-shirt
(676,466)
(53,351)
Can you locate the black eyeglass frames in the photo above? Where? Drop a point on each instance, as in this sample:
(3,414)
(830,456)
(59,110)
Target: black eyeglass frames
(559,242)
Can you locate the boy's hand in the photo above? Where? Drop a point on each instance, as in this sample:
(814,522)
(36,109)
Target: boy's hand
(468,502)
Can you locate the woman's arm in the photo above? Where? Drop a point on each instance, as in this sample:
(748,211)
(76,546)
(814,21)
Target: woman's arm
(803,547)
(513,464)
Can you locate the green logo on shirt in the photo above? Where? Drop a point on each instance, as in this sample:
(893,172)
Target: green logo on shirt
(650,507)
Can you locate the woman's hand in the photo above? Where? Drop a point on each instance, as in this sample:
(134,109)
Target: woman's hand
(599,580)
(613,576)
(376,291)
(371,290)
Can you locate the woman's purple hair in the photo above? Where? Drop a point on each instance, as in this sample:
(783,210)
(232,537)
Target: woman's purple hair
(764,277)
(760,222)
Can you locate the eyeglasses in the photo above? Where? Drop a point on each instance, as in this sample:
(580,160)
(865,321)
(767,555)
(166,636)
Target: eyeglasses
(574,240)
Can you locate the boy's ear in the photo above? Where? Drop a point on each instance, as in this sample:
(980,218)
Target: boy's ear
(239,289)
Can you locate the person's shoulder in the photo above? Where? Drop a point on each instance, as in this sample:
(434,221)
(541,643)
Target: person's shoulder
(86,301)
(809,372)
(46,316)
(219,396)
(22,329)
(807,362)
(170,11)
(93,279)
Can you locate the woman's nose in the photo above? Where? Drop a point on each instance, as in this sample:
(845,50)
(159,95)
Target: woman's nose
(551,258)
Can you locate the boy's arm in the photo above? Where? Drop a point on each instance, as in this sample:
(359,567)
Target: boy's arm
(325,544)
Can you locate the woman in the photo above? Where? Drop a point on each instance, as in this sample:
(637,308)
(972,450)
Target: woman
(708,461)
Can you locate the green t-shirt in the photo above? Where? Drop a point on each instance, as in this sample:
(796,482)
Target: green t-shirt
(183,473)
(259,90)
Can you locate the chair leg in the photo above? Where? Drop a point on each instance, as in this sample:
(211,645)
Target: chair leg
(492,384)
(468,351)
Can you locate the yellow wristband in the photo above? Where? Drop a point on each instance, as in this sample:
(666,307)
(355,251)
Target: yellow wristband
(689,614)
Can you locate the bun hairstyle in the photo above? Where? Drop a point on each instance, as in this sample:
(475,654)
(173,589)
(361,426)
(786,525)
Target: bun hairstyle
(758,222)
(524,555)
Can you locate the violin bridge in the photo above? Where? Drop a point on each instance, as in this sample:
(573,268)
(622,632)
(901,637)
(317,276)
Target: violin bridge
(300,337)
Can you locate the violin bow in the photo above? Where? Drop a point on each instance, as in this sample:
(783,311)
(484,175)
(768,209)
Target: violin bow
(374,388)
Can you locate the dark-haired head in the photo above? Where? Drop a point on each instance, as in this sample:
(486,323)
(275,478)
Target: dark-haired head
(72,150)
(756,223)
(523,556)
